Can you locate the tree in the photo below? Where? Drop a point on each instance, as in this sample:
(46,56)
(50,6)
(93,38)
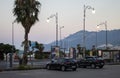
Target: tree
(1,51)
(5,49)
(79,49)
(94,50)
(26,12)
(9,49)
(40,47)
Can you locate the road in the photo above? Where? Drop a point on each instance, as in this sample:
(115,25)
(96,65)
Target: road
(109,71)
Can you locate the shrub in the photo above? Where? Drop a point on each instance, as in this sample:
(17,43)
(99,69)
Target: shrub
(24,67)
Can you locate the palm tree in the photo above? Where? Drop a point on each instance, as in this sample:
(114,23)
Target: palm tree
(26,12)
(39,46)
(39,54)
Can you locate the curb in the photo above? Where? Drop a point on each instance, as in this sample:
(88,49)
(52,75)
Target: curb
(112,63)
(15,69)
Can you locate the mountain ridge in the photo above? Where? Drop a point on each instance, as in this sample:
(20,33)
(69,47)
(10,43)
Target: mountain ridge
(113,37)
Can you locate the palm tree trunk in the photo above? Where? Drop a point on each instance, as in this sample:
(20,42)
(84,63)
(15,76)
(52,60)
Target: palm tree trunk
(25,59)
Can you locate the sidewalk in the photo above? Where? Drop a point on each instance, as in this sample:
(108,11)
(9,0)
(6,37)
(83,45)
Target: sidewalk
(35,64)
(113,63)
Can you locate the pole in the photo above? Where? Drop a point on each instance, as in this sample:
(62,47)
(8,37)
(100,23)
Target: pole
(96,43)
(106,41)
(57,29)
(96,39)
(106,34)
(60,39)
(84,37)
(11,55)
(84,32)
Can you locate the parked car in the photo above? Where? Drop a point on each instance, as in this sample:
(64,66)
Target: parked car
(62,64)
(91,61)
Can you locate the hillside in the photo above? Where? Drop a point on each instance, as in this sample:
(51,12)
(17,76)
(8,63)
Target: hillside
(113,37)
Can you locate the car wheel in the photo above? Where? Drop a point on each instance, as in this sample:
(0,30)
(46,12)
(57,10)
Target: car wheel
(100,67)
(74,69)
(63,68)
(84,66)
(93,66)
(78,66)
(48,67)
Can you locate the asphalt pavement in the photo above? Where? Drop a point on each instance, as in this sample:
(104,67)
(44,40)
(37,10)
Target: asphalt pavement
(108,71)
(35,64)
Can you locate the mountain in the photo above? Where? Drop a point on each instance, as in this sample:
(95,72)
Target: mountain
(113,37)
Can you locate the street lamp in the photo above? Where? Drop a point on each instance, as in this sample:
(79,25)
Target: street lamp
(56,17)
(96,36)
(60,36)
(11,55)
(93,11)
(104,23)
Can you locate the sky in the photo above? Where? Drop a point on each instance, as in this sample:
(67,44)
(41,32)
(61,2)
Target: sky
(70,15)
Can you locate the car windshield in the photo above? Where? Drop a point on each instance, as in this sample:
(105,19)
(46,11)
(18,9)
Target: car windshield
(69,60)
(91,58)
(99,58)
(95,58)
(63,60)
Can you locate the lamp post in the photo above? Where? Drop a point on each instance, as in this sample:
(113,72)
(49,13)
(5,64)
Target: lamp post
(11,55)
(56,17)
(105,23)
(96,36)
(84,38)
(60,36)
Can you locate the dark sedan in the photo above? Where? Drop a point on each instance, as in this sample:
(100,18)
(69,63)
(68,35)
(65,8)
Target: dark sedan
(62,64)
(91,61)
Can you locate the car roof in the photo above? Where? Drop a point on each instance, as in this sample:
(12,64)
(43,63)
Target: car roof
(91,56)
(63,58)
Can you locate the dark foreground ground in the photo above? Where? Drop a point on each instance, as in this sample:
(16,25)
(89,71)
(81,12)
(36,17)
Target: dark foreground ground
(109,71)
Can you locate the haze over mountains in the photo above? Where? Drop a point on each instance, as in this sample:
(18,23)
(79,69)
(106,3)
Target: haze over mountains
(113,37)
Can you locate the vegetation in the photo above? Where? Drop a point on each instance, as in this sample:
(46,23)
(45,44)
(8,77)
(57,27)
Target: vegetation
(79,49)
(87,52)
(26,12)
(62,53)
(23,67)
(39,47)
(39,54)
(94,51)
(5,49)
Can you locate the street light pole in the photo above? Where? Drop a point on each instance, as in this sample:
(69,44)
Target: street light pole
(97,37)
(56,18)
(105,23)
(106,34)
(11,55)
(60,36)
(84,37)
(56,29)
